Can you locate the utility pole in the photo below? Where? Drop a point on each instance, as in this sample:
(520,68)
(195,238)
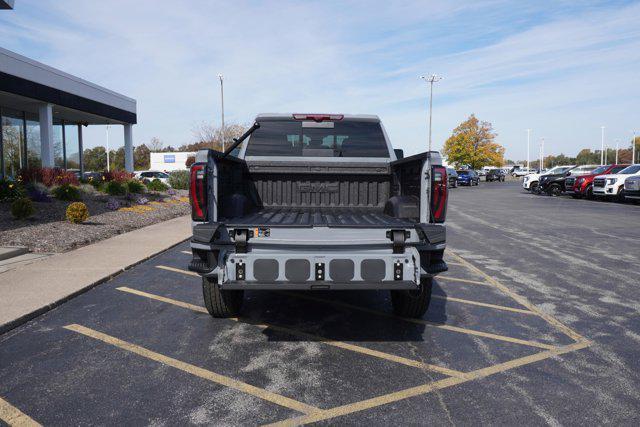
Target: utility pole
(221,77)
(431,80)
(602,146)
(541,154)
(617,148)
(528,138)
(108,166)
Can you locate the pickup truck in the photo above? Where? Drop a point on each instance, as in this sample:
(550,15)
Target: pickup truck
(556,184)
(316,202)
(632,187)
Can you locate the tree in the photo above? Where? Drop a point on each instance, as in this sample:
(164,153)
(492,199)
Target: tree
(141,157)
(209,136)
(155,144)
(95,159)
(472,144)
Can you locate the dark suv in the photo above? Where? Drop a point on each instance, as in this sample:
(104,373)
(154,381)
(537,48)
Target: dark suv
(495,175)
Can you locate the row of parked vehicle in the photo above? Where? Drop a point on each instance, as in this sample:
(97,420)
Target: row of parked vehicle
(472,177)
(614,182)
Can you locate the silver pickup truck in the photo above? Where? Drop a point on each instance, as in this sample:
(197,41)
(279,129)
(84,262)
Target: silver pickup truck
(317,201)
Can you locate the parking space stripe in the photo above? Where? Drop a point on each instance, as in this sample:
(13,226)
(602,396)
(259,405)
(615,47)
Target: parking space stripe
(406,319)
(313,337)
(14,416)
(455,279)
(421,321)
(426,388)
(187,252)
(482,304)
(178,270)
(195,370)
(522,300)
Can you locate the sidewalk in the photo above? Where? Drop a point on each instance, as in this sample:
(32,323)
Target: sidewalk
(33,289)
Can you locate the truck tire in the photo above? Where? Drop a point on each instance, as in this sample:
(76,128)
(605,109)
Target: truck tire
(589,193)
(533,187)
(413,304)
(555,190)
(220,302)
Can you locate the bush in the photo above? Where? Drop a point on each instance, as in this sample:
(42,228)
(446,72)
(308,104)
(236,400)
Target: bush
(87,189)
(157,185)
(48,176)
(117,176)
(77,212)
(179,180)
(113,204)
(38,192)
(22,208)
(115,188)
(10,190)
(135,186)
(66,192)
(142,201)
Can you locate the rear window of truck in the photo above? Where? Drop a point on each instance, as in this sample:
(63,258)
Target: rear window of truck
(324,139)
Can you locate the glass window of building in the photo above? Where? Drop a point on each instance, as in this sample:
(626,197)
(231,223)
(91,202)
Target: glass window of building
(58,144)
(12,141)
(72,146)
(33,141)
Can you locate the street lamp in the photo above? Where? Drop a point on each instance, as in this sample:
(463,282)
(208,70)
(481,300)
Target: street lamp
(528,137)
(617,148)
(633,148)
(541,154)
(602,147)
(431,80)
(221,77)
(108,167)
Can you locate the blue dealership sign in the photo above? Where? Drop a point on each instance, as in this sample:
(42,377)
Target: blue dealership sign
(169,158)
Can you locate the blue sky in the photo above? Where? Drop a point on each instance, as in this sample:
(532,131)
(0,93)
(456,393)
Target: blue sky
(561,68)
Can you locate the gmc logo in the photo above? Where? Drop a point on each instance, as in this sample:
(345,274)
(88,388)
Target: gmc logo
(319,187)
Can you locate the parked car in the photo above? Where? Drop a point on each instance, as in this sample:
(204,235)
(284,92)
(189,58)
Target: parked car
(632,188)
(452,175)
(582,186)
(151,175)
(468,177)
(292,215)
(531,181)
(612,186)
(495,175)
(481,172)
(556,184)
(522,172)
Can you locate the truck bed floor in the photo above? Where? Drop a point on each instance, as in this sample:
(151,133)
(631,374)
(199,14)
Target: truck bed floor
(319,217)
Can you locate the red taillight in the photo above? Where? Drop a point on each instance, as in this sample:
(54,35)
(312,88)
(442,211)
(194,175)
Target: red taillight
(438,194)
(198,192)
(318,117)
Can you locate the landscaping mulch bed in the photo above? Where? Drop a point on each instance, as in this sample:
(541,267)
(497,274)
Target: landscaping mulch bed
(49,231)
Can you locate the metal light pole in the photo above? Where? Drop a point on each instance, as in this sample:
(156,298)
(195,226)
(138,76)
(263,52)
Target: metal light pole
(528,138)
(617,147)
(605,155)
(108,166)
(221,77)
(602,147)
(431,80)
(633,148)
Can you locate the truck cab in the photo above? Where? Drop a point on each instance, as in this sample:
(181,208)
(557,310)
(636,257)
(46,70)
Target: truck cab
(316,202)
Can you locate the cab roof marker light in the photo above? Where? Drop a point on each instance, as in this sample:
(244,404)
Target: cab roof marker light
(318,117)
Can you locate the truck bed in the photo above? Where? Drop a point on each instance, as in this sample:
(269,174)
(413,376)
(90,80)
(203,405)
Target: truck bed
(318,217)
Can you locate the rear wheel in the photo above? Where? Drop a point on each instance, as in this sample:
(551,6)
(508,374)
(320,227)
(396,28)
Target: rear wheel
(412,303)
(220,302)
(554,190)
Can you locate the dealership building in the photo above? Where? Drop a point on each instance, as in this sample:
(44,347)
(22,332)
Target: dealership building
(44,110)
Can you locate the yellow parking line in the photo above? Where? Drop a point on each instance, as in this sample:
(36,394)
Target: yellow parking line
(187,252)
(426,388)
(421,321)
(195,370)
(306,335)
(455,279)
(14,416)
(178,270)
(482,304)
(459,264)
(522,300)
(382,313)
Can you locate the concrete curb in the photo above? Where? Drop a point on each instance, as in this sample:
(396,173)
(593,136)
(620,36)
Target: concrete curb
(22,319)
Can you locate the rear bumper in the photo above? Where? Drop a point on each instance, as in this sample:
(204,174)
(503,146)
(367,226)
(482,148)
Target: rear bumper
(318,286)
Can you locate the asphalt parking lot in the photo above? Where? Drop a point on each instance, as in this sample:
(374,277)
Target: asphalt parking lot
(536,322)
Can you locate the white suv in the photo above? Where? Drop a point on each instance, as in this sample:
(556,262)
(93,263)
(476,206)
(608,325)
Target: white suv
(530,182)
(613,185)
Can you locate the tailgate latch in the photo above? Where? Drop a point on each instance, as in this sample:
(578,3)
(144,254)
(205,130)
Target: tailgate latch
(398,238)
(241,237)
